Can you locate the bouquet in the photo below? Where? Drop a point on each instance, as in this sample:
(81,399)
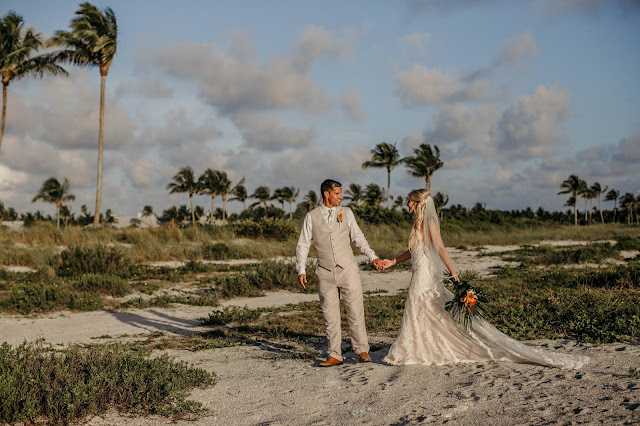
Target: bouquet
(466,303)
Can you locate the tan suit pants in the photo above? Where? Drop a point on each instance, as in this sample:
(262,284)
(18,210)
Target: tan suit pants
(348,281)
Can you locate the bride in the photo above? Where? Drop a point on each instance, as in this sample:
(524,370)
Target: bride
(428,334)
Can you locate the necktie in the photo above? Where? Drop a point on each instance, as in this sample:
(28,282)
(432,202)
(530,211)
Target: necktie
(330,220)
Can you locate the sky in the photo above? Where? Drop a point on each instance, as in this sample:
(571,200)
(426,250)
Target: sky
(517,95)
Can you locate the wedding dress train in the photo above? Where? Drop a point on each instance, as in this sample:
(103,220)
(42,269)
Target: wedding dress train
(430,336)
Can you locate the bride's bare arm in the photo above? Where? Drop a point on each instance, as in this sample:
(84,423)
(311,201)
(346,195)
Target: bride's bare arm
(442,252)
(386,263)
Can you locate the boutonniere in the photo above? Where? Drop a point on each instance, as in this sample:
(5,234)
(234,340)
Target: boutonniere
(340,219)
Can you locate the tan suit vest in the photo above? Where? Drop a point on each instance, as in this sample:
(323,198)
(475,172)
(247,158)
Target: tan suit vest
(333,245)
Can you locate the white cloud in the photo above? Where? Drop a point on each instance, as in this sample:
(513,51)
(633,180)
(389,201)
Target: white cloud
(420,86)
(459,122)
(316,42)
(231,85)
(264,131)
(529,128)
(352,105)
(65,113)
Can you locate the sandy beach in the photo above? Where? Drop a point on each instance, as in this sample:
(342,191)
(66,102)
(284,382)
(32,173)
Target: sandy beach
(265,385)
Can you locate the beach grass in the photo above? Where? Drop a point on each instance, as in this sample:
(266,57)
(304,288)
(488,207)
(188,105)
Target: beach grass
(43,385)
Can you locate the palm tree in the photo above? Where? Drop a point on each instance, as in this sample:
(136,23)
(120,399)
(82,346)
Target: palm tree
(585,193)
(92,42)
(613,195)
(286,194)
(354,194)
(384,155)
(573,186)
(53,192)
(399,202)
(147,211)
(209,182)
(628,202)
(424,162)
(184,181)
(311,200)
(373,194)
(440,200)
(16,48)
(263,195)
(225,190)
(240,193)
(596,191)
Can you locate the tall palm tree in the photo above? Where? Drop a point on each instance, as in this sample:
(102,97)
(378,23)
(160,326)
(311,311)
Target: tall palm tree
(286,194)
(440,200)
(225,190)
(384,155)
(209,183)
(597,191)
(17,46)
(184,181)
(354,194)
(263,195)
(424,162)
(573,186)
(585,193)
(92,42)
(373,194)
(311,200)
(54,192)
(613,195)
(240,193)
(628,202)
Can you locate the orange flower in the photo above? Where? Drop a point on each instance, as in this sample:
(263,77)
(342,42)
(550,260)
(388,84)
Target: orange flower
(340,217)
(470,300)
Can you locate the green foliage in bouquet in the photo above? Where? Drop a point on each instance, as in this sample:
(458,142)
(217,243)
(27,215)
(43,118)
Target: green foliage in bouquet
(466,304)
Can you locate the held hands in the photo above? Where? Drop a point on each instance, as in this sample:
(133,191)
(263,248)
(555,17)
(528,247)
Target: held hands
(386,263)
(378,264)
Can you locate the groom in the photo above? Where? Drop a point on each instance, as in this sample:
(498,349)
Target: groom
(332,228)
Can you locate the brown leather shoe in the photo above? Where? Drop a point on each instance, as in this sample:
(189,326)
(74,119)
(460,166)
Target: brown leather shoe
(330,362)
(364,357)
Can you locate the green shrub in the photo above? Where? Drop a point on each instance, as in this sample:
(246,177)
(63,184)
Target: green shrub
(627,243)
(38,383)
(231,314)
(269,275)
(44,297)
(105,284)
(220,251)
(266,228)
(97,259)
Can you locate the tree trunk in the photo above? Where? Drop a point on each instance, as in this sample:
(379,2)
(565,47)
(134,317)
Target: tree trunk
(224,207)
(193,215)
(600,208)
(388,188)
(586,211)
(213,198)
(575,208)
(58,215)
(290,212)
(4,110)
(428,182)
(96,218)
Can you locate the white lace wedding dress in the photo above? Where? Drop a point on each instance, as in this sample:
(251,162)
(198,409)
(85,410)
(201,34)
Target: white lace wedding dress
(430,336)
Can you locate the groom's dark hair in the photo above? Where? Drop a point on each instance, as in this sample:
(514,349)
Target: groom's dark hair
(328,185)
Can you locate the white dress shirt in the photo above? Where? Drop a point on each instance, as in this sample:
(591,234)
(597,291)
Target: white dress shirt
(355,233)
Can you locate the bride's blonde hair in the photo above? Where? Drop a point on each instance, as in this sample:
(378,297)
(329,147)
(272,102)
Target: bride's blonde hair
(417,195)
